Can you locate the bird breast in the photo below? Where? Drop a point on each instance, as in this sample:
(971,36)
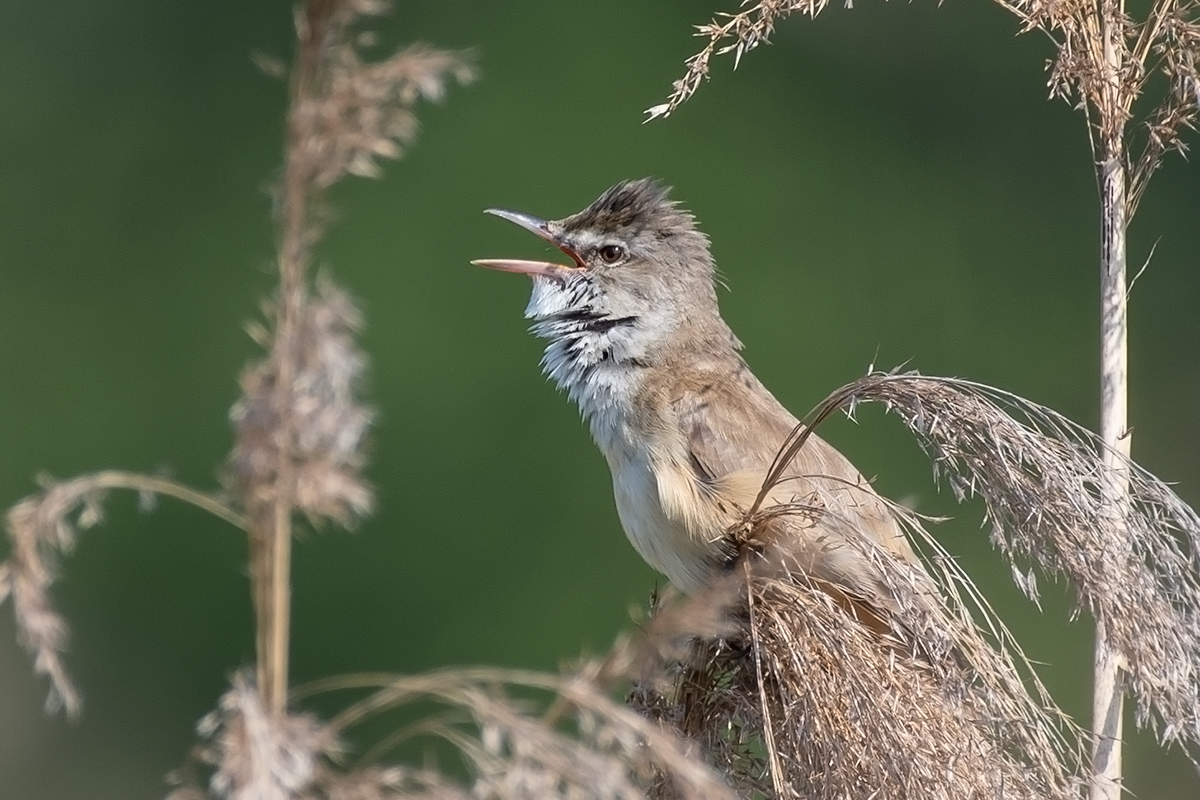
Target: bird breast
(666,513)
(663,509)
(665,517)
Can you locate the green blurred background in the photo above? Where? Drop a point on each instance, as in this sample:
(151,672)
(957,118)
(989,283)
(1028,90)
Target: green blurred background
(883,185)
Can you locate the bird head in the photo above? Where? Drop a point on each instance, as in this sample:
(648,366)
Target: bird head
(639,271)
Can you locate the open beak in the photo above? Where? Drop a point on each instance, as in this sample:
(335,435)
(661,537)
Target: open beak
(540,228)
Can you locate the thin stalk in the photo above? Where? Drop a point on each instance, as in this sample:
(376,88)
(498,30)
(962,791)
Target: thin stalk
(1108,696)
(120,479)
(273,534)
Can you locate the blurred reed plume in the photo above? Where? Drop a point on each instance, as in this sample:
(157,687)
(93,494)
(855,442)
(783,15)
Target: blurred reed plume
(299,424)
(40,527)
(523,734)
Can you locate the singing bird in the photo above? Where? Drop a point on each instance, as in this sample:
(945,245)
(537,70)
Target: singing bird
(637,341)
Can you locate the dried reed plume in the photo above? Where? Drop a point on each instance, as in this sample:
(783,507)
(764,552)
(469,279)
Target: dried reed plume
(806,701)
(1047,482)
(299,424)
(1105,61)
(809,703)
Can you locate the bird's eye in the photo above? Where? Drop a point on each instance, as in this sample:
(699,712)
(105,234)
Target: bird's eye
(612,253)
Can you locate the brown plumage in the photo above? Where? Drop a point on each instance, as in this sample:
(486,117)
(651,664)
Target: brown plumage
(689,433)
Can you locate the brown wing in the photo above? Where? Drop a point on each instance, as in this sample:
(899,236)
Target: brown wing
(734,429)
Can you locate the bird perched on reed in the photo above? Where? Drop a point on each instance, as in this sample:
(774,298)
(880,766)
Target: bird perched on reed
(636,339)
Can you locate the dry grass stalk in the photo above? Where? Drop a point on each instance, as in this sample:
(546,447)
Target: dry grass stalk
(299,427)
